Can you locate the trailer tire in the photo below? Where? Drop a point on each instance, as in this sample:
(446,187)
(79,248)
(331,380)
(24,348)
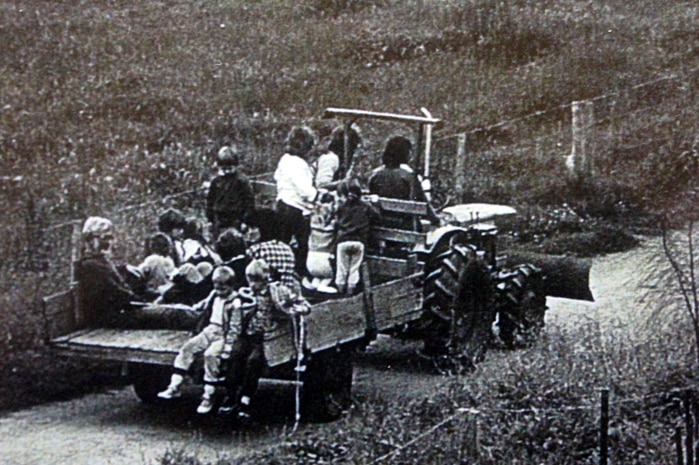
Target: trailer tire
(327,385)
(148,380)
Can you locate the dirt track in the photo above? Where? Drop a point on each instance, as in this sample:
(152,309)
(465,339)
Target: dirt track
(115,428)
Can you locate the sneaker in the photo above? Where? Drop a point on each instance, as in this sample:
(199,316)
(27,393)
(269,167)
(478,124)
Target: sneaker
(308,284)
(205,406)
(326,289)
(243,414)
(170,393)
(228,406)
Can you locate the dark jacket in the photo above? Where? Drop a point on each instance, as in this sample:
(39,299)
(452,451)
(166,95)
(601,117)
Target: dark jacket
(353,222)
(396,183)
(230,199)
(102,292)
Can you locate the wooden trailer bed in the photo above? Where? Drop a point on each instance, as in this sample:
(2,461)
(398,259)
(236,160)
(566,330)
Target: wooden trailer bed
(331,323)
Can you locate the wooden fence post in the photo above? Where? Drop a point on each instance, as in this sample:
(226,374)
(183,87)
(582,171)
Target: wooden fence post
(468,451)
(696,428)
(604,426)
(689,427)
(678,446)
(579,162)
(460,166)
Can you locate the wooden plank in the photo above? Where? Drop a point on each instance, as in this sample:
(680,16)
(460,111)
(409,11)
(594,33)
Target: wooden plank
(59,314)
(335,322)
(398,302)
(406,207)
(399,235)
(390,267)
(114,354)
(151,340)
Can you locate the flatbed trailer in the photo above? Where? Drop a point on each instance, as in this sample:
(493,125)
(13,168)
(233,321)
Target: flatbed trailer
(332,332)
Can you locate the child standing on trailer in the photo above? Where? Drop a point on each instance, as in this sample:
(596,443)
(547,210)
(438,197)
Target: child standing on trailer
(230,197)
(321,244)
(353,228)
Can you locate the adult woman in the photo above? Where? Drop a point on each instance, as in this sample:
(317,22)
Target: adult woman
(296,192)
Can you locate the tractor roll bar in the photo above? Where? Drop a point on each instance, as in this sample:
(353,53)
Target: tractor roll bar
(350,116)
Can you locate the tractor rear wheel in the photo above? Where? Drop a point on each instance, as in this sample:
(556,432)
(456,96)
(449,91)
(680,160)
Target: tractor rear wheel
(459,304)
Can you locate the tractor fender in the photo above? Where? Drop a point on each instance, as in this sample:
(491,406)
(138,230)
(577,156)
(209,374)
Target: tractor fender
(439,236)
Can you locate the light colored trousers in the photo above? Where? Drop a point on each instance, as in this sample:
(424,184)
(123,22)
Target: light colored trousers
(350,255)
(210,341)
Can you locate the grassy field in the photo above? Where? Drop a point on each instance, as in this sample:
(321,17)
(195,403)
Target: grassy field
(109,104)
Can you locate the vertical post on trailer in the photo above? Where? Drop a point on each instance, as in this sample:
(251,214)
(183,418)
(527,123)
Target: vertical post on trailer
(418,151)
(426,183)
(418,171)
(347,162)
(604,427)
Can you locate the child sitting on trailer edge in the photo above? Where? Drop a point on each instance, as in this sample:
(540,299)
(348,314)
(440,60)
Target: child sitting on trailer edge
(273,304)
(218,310)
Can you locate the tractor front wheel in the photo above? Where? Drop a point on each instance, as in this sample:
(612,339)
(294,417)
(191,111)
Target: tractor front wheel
(521,306)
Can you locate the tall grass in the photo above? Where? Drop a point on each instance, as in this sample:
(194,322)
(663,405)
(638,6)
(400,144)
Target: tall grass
(539,405)
(108,104)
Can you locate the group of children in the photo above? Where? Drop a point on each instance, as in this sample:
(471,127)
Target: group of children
(249,279)
(236,323)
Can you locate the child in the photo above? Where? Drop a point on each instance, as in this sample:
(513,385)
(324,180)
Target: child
(354,220)
(171,222)
(158,265)
(230,197)
(273,303)
(195,248)
(219,309)
(231,248)
(186,286)
(321,244)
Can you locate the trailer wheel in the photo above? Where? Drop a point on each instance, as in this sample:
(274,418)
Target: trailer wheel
(522,306)
(327,385)
(148,380)
(459,304)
